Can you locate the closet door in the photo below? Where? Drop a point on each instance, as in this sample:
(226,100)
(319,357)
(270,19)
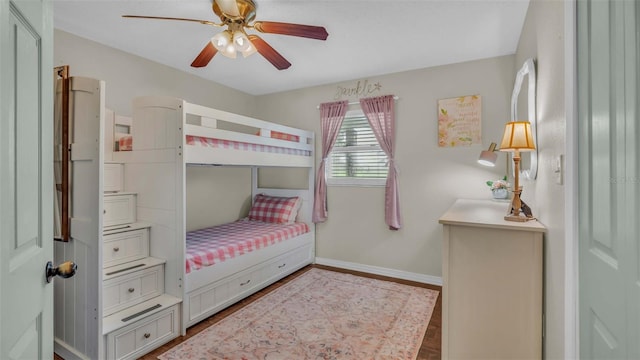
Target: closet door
(609,180)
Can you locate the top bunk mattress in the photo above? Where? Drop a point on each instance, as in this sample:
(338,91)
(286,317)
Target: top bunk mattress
(209,246)
(244,146)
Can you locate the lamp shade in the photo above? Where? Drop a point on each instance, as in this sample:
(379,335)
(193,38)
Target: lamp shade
(517,136)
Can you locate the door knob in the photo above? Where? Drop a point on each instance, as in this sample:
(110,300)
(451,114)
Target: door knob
(65,270)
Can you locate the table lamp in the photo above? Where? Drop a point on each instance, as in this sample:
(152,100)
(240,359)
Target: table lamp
(517,137)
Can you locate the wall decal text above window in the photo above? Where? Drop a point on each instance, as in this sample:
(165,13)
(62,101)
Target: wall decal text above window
(360,89)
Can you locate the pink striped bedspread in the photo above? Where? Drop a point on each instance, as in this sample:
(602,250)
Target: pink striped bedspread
(216,244)
(237,145)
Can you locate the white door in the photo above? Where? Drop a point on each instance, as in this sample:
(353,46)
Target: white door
(609,150)
(26,188)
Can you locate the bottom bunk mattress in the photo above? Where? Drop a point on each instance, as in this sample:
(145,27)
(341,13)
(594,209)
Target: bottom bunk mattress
(216,244)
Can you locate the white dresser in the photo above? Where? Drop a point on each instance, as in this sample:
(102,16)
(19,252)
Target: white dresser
(492,283)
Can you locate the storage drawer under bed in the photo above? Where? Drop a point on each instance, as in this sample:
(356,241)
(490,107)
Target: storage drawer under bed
(287,261)
(208,299)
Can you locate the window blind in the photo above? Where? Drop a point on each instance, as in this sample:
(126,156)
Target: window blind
(357,153)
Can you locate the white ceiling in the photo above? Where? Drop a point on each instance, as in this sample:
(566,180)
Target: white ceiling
(366,37)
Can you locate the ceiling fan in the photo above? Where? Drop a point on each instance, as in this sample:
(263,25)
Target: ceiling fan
(237,16)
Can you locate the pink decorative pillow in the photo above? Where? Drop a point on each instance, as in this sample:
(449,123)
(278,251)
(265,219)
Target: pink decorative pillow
(274,209)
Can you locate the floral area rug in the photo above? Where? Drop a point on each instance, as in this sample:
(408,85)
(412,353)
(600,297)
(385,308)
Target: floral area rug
(320,315)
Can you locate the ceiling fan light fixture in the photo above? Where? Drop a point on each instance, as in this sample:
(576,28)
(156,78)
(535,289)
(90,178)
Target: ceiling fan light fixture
(223,42)
(229,51)
(250,50)
(240,41)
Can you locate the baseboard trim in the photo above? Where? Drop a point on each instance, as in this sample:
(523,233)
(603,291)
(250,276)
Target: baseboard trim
(377,270)
(66,351)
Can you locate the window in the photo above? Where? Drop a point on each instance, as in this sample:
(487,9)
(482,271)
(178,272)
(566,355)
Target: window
(356,158)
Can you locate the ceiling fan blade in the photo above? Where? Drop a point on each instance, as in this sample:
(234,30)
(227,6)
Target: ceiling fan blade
(205,56)
(308,31)
(205,22)
(269,53)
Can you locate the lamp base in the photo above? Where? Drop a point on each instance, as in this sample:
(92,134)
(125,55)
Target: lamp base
(518,218)
(522,215)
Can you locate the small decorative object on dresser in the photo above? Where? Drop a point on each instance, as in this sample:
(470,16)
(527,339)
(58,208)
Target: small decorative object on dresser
(499,188)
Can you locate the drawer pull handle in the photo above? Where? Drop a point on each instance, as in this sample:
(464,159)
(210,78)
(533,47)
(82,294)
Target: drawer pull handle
(116,249)
(245,283)
(281,266)
(131,290)
(104,211)
(147,335)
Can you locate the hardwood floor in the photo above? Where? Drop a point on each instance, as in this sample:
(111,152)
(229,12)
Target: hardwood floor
(429,350)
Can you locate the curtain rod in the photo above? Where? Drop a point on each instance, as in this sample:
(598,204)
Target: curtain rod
(395,97)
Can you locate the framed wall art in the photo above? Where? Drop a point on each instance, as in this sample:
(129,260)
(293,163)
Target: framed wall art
(459,121)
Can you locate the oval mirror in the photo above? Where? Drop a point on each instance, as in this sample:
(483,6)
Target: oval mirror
(524,94)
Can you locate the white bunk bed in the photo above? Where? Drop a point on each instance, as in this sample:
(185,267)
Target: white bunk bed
(169,134)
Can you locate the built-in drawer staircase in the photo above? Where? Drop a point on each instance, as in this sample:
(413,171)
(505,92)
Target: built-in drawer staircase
(137,315)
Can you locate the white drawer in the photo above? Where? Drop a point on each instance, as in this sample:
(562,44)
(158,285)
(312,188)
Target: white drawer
(246,281)
(125,246)
(133,288)
(142,336)
(223,292)
(113,177)
(119,209)
(288,261)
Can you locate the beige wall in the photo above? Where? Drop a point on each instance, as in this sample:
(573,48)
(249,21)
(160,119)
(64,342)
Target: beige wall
(543,39)
(430,178)
(216,195)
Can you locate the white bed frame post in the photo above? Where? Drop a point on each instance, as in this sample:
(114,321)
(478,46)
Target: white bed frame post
(312,199)
(155,170)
